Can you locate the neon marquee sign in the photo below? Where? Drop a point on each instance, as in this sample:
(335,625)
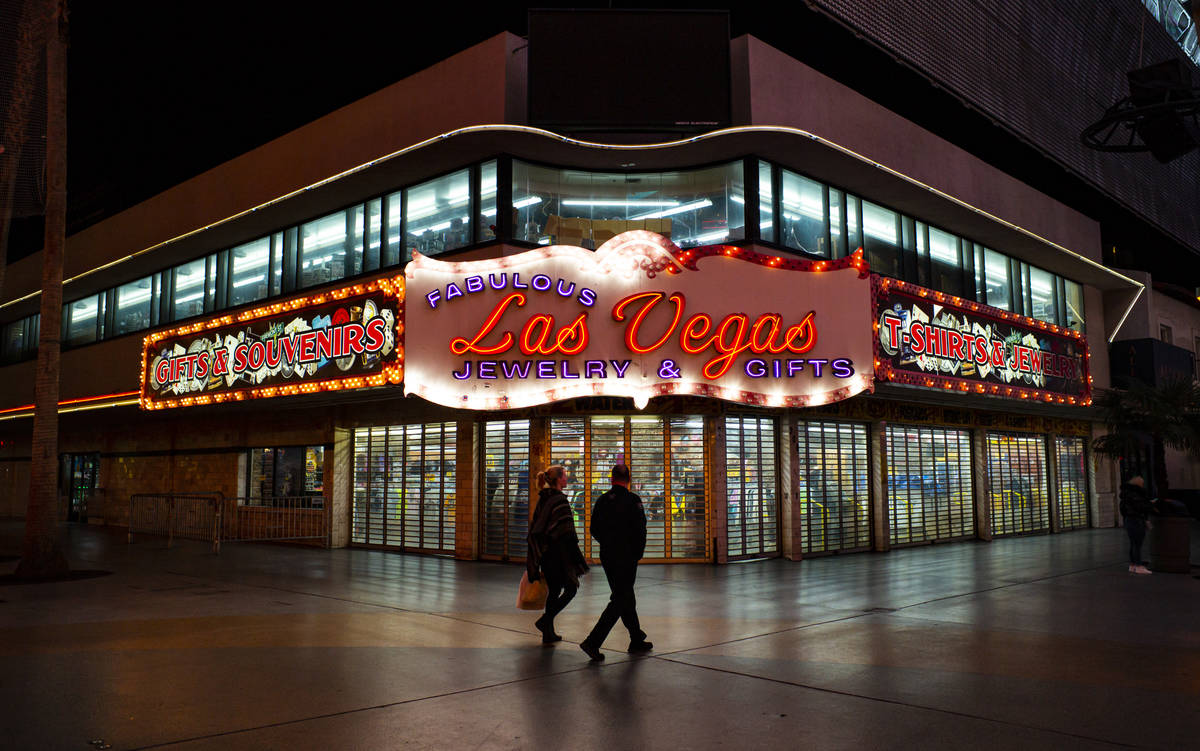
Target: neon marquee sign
(927,338)
(639,317)
(342,339)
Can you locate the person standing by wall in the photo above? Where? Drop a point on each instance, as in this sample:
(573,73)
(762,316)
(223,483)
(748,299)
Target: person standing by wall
(1136,506)
(619,525)
(554,548)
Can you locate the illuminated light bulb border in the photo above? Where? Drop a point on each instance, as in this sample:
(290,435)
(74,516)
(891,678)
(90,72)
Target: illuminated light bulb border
(885,372)
(688,258)
(880,284)
(392,373)
(863,382)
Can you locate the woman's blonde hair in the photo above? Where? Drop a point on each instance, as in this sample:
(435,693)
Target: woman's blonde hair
(550,476)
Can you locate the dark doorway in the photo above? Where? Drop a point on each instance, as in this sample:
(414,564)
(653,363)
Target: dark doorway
(80,472)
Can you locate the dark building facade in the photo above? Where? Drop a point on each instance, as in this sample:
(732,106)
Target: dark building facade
(816,328)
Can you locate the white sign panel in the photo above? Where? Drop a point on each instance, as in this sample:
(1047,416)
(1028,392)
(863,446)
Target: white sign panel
(639,317)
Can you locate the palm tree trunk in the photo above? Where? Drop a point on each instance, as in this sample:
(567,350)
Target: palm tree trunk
(16,120)
(41,555)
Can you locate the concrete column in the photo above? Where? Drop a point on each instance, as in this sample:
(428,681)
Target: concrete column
(1052,485)
(982,484)
(342,482)
(466,495)
(881,538)
(714,445)
(791,514)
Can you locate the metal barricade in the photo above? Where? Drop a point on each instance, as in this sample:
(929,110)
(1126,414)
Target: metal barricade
(193,516)
(212,517)
(282,519)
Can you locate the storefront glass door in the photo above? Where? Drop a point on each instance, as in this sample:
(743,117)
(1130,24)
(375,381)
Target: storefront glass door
(1072,482)
(1017,468)
(404,487)
(505,488)
(834,488)
(666,458)
(929,484)
(751,483)
(80,473)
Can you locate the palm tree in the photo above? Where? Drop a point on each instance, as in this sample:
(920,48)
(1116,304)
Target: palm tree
(1155,416)
(41,555)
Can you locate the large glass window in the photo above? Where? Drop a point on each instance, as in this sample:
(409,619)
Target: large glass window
(487,202)
(574,207)
(766,203)
(404,487)
(249,266)
(292,472)
(506,493)
(20,339)
(1043,295)
(331,247)
(1072,494)
(881,229)
(752,508)
(929,484)
(1017,468)
(82,320)
(192,282)
(1074,306)
(997,280)
(438,214)
(374,242)
(391,218)
(14,341)
(834,495)
(945,261)
(131,311)
(803,222)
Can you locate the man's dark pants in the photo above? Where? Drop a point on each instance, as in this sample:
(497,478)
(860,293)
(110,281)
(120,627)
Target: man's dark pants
(621,604)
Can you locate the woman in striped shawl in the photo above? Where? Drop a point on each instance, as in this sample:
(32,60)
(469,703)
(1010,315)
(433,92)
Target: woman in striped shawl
(554,548)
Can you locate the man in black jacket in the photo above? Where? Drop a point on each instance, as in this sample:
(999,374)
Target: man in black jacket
(1136,507)
(619,525)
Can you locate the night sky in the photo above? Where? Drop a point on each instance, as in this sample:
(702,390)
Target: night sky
(159,92)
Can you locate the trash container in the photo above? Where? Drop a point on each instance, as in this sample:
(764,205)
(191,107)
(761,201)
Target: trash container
(1170,544)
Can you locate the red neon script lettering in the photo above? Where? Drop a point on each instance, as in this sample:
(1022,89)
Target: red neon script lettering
(461,346)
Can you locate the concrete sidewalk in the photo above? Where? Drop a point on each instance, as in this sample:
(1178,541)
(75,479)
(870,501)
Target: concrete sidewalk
(1040,642)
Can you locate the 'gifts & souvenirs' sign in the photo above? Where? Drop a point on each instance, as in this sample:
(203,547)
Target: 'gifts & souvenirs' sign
(639,317)
(931,339)
(342,339)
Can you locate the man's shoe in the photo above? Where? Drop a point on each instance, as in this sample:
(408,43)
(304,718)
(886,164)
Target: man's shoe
(640,647)
(593,653)
(1142,570)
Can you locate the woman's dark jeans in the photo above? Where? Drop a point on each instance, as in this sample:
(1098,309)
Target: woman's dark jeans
(1136,529)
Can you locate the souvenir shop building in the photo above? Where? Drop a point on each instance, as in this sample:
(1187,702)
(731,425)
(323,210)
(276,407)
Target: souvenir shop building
(820,329)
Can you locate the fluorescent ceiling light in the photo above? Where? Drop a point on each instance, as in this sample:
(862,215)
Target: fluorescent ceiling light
(629,202)
(693,206)
(529,201)
(712,237)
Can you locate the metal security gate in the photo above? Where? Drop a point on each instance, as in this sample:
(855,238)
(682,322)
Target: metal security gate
(1017,468)
(404,484)
(505,488)
(667,460)
(835,503)
(751,484)
(1072,482)
(929,484)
